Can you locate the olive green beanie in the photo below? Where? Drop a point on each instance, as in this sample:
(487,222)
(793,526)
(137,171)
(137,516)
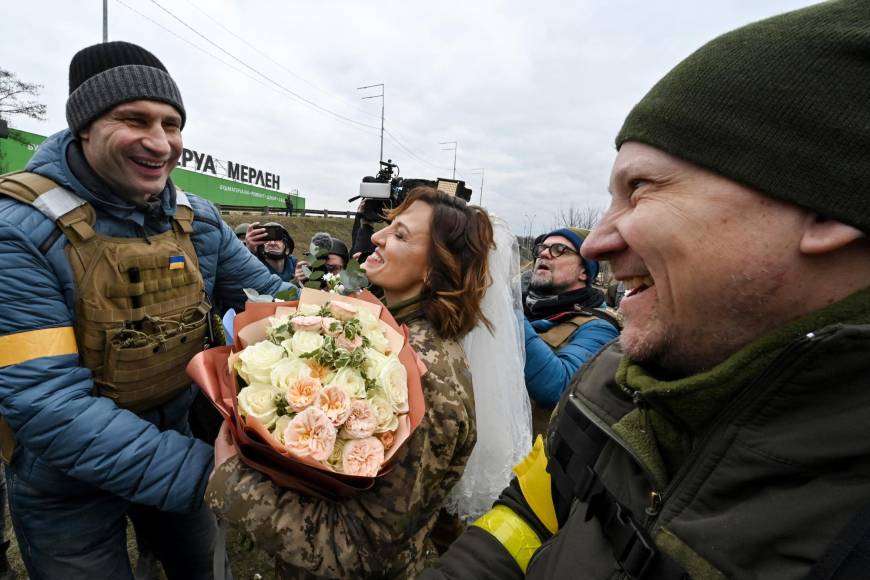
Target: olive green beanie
(781,105)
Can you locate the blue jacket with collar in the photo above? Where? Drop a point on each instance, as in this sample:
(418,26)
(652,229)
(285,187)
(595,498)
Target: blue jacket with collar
(548,372)
(68,441)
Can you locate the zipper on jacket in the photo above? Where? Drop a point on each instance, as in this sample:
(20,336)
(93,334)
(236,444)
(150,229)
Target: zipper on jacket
(737,405)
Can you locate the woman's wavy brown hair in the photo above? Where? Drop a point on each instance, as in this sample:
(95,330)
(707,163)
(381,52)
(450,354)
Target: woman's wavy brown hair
(458,274)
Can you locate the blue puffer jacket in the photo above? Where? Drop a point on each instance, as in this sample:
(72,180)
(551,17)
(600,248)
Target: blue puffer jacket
(69,441)
(547,372)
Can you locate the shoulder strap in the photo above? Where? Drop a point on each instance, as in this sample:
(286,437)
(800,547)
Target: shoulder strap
(563,329)
(183,212)
(60,205)
(25,186)
(574,447)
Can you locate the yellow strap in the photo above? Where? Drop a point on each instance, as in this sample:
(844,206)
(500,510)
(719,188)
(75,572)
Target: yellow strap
(512,531)
(535,484)
(24,346)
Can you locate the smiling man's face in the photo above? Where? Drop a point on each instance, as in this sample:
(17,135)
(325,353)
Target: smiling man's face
(708,263)
(134,147)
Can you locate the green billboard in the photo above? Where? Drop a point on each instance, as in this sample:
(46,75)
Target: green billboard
(17,150)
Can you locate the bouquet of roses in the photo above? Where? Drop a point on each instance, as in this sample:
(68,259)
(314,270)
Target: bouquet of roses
(329,382)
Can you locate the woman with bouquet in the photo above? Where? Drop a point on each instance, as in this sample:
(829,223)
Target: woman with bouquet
(431,262)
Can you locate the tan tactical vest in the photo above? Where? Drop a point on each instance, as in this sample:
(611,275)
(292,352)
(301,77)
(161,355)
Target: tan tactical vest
(555,338)
(141,310)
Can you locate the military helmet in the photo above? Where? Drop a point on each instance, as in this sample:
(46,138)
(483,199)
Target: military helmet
(288,239)
(339,248)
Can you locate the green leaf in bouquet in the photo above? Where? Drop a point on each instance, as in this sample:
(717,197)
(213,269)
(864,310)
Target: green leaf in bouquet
(281,405)
(316,275)
(324,311)
(288,295)
(352,329)
(306,271)
(353,277)
(255,296)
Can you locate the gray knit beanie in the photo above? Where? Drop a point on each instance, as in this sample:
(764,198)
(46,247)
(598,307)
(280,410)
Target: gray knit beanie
(105,75)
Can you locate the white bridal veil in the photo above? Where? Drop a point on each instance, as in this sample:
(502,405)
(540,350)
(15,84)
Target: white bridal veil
(497,359)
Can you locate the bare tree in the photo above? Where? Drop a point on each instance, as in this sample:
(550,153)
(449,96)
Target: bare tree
(16,97)
(585,217)
(16,100)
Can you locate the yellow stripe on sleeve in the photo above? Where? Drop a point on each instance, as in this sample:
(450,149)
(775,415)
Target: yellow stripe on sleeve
(24,346)
(512,531)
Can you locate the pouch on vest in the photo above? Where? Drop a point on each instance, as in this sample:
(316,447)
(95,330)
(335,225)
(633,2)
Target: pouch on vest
(141,310)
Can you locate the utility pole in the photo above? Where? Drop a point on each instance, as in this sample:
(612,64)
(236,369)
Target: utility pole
(454,148)
(105,20)
(480,170)
(382,110)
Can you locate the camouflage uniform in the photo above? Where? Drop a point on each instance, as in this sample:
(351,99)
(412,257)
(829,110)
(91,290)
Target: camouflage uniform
(382,532)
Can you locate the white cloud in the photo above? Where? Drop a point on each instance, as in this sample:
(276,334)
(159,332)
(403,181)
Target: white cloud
(533,92)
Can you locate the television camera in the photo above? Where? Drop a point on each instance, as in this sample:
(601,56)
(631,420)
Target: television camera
(385,191)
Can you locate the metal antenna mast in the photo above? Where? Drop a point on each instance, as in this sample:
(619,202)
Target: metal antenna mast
(381,96)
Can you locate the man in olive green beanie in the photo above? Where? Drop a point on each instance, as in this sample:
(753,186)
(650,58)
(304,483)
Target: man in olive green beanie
(725,435)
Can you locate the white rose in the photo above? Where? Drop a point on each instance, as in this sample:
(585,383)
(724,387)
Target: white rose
(288,371)
(258,401)
(257,360)
(367,320)
(394,380)
(308,309)
(374,361)
(351,381)
(305,341)
(377,339)
(380,403)
(280,424)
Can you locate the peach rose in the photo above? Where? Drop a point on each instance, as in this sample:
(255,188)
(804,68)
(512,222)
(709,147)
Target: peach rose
(362,457)
(309,323)
(387,438)
(349,345)
(302,392)
(326,323)
(342,310)
(335,402)
(362,421)
(311,434)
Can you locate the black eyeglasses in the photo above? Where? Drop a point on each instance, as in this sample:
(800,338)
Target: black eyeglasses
(556,249)
(333,268)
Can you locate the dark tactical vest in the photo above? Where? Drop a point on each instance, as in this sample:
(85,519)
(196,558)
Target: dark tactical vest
(141,310)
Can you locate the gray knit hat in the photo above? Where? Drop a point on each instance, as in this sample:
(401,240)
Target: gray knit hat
(105,75)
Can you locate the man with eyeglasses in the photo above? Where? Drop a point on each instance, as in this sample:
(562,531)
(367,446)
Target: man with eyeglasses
(565,319)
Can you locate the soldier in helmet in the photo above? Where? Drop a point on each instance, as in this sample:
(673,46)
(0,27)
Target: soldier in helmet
(336,260)
(240,231)
(273,244)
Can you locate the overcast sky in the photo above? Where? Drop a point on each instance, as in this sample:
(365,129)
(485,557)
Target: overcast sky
(534,92)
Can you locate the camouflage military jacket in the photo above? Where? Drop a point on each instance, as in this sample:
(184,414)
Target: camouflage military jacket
(384,531)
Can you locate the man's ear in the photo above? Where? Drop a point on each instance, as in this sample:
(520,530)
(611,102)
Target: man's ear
(583,275)
(825,235)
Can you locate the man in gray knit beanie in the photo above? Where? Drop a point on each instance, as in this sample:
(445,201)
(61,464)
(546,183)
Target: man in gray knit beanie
(119,95)
(112,272)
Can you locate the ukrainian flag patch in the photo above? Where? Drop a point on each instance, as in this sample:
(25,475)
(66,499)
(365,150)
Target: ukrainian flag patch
(176,262)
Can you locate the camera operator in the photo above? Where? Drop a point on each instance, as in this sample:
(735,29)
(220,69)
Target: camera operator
(336,259)
(273,245)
